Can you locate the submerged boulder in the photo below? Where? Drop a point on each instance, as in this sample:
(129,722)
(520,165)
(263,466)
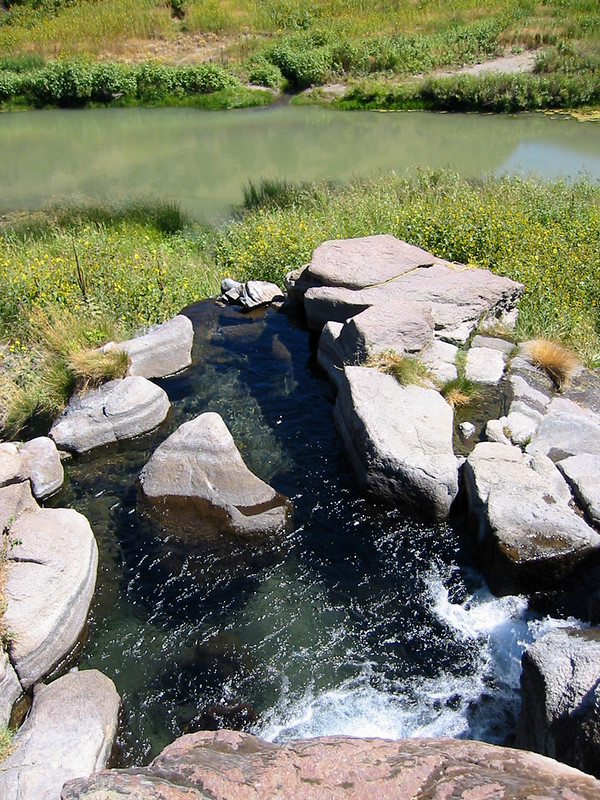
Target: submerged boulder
(69,733)
(399,439)
(163,351)
(120,409)
(227,765)
(197,481)
(529,535)
(560,689)
(52,564)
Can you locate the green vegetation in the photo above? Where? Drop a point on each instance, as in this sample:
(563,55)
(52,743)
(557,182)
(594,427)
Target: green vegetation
(6,745)
(74,279)
(287,44)
(460,391)
(406,369)
(78,82)
(117,270)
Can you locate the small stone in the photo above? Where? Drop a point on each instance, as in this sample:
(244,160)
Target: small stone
(485,365)
(467,429)
(495,431)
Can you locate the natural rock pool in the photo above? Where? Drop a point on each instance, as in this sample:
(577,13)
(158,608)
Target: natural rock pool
(359,620)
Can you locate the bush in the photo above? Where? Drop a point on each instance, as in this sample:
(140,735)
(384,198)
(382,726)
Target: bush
(262,73)
(302,63)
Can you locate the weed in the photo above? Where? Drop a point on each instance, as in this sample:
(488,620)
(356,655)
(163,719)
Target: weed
(6,742)
(406,369)
(459,391)
(556,361)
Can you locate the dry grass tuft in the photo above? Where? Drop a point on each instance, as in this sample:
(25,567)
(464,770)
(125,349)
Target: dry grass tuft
(406,369)
(94,367)
(554,359)
(459,392)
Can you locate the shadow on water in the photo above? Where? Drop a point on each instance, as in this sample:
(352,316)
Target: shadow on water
(357,620)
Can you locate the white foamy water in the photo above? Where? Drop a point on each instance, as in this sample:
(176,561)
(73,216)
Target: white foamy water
(481,704)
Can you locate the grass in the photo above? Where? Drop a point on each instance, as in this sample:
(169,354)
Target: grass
(459,391)
(557,361)
(406,369)
(109,266)
(6,742)
(545,235)
(75,278)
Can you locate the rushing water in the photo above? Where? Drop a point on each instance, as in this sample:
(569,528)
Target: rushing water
(358,621)
(201,159)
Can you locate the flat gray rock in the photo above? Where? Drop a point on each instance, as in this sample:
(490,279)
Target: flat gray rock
(458,298)
(11,465)
(196,480)
(485,365)
(530,538)
(367,261)
(387,327)
(440,359)
(120,409)
(163,351)
(493,343)
(69,733)
(567,429)
(49,587)
(582,472)
(41,462)
(399,440)
(560,688)
(227,765)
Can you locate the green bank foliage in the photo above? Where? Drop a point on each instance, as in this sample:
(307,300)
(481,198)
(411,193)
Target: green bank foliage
(78,82)
(546,235)
(295,46)
(75,278)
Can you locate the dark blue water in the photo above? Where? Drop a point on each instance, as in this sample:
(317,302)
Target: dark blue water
(358,620)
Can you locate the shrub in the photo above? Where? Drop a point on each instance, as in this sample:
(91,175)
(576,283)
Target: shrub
(262,73)
(302,62)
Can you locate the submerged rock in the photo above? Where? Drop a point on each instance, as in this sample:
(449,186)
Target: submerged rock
(120,409)
(197,481)
(51,577)
(399,439)
(227,765)
(163,351)
(69,733)
(560,688)
(530,538)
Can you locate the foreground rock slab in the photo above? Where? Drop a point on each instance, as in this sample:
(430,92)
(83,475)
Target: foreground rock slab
(529,535)
(399,439)
(51,577)
(227,765)
(196,480)
(120,409)
(69,733)
(163,351)
(560,686)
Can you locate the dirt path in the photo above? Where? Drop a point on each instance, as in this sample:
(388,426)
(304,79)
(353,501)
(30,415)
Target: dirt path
(520,62)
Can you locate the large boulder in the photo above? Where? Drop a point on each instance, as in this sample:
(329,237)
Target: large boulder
(52,564)
(530,537)
(348,276)
(399,439)
(120,409)
(197,481)
(69,733)
(226,765)
(560,688)
(163,351)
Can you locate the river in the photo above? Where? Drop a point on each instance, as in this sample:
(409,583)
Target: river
(201,159)
(360,621)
